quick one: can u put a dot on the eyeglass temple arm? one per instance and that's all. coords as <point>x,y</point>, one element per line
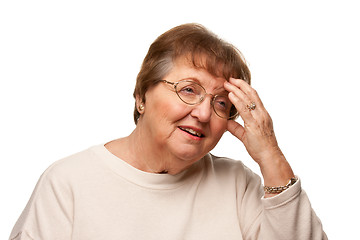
<point>167,82</point>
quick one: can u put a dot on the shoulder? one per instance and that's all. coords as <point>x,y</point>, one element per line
<point>74,165</point>
<point>67,175</point>
<point>52,201</point>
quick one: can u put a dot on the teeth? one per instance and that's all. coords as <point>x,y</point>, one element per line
<point>192,131</point>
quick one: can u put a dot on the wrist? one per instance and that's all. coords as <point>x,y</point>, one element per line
<point>279,189</point>
<point>270,156</point>
<point>276,171</point>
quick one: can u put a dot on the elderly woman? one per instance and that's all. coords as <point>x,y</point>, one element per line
<point>161,182</point>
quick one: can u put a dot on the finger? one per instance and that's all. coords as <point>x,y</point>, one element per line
<point>241,101</point>
<point>250,92</point>
<point>244,113</point>
<point>239,94</point>
<point>236,129</point>
<point>259,112</point>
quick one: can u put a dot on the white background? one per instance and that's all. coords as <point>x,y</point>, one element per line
<point>68,68</point>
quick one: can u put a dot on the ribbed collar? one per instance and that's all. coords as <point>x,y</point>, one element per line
<point>145,179</point>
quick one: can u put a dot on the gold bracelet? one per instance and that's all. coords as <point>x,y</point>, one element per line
<point>280,189</point>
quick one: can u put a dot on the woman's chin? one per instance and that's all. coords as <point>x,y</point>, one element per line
<point>188,153</point>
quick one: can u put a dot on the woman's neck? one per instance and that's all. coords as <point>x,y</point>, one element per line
<point>145,153</point>
<point>140,151</point>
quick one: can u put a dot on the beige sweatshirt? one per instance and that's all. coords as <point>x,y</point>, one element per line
<point>95,195</point>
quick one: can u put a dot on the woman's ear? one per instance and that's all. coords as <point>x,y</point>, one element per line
<point>140,106</point>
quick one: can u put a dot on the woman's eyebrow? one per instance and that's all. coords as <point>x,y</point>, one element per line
<point>193,79</point>
<point>216,91</point>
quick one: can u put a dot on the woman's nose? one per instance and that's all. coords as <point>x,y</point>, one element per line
<point>203,110</point>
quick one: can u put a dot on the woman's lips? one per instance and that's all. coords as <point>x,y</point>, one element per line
<point>192,131</point>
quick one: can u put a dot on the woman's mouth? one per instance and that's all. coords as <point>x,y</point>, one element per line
<point>192,132</point>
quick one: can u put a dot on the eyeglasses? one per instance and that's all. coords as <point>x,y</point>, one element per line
<point>193,93</point>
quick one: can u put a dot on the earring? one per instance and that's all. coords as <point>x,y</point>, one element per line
<point>141,107</point>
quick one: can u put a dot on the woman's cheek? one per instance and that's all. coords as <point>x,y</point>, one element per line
<point>218,128</point>
<point>174,111</point>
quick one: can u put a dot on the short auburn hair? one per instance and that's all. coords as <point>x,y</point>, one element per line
<point>203,48</point>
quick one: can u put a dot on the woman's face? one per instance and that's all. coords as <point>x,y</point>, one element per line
<point>185,131</point>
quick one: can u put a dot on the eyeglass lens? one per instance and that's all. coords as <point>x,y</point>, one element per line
<point>193,93</point>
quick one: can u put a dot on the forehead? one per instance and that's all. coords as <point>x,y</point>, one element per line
<point>183,68</point>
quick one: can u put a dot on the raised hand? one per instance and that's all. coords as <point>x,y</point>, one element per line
<point>257,134</point>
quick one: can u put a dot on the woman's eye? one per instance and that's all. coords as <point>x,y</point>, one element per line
<point>188,90</point>
<point>222,103</point>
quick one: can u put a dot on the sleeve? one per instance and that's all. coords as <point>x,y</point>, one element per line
<point>49,212</point>
<point>288,215</point>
